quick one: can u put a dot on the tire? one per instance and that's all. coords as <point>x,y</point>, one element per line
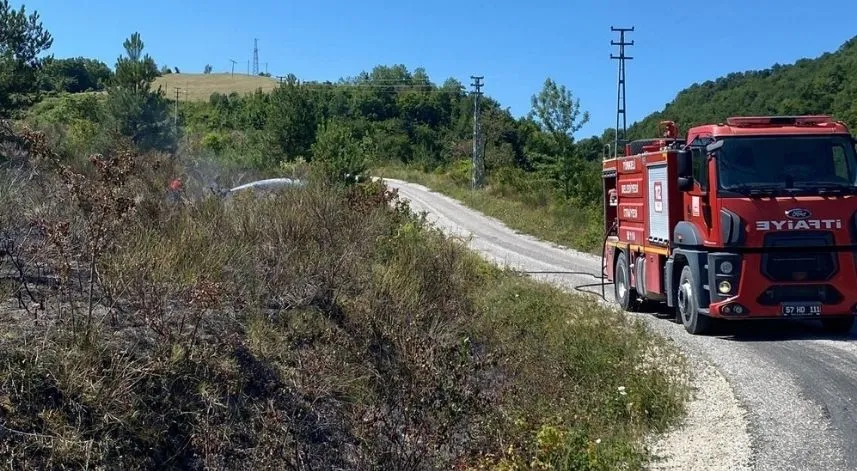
<point>624,293</point>
<point>687,308</point>
<point>838,325</point>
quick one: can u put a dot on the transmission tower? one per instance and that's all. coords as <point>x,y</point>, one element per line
<point>478,173</point>
<point>256,56</point>
<point>619,138</point>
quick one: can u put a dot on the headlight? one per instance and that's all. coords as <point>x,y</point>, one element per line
<point>726,267</point>
<point>724,287</point>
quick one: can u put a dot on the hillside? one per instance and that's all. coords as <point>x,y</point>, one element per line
<point>826,84</point>
<point>199,87</point>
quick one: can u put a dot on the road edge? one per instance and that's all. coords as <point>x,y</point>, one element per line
<point>706,438</point>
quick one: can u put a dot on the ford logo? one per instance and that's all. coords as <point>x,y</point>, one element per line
<point>798,213</point>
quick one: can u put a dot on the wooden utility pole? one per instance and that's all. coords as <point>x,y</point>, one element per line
<point>478,173</point>
<point>176,115</point>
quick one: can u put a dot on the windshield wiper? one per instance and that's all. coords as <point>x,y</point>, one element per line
<point>828,187</point>
<point>755,190</point>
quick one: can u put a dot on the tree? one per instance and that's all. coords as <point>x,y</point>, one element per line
<point>825,84</point>
<point>74,75</point>
<point>135,71</point>
<point>558,113</point>
<point>208,69</point>
<point>22,40</point>
<point>139,112</point>
<point>22,37</point>
<point>292,119</point>
<point>338,156</point>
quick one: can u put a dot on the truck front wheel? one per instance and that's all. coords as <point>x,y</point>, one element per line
<point>687,306</point>
<point>625,295</point>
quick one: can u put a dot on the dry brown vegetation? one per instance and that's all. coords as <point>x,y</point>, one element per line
<point>199,87</point>
<point>318,328</point>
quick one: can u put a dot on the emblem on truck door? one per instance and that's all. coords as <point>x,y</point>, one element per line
<point>798,213</point>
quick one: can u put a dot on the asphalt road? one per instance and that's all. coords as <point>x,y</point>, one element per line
<point>796,388</point>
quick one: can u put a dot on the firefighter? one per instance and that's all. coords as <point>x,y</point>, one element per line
<point>174,190</point>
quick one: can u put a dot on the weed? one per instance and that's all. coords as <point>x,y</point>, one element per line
<point>315,328</point>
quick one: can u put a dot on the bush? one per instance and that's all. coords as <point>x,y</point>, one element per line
<point>321,328</point>
<point>337,155</point>
<point>460,172</point>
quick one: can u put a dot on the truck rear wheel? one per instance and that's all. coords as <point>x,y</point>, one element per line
<point>687,306</point>
<point>838,325</point>
<point>625,294</point>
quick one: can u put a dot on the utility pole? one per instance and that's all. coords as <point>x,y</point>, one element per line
<point>280,77</point>
<point>256,56</point>
<point>248,66</point>
<point>176,115</point>
<point>478,162</point>
<point>619,138</point>
<point>266,68</point>
<point>233,66</point>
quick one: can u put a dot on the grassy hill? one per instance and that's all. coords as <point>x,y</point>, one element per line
<point>826,84</point>
<point>199,87</point>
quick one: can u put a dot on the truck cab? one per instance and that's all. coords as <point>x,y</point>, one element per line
<point>753,218</point>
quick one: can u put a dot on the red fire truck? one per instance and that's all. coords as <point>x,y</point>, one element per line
<point>754,218</point>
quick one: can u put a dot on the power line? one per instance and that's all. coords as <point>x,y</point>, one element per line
<point>620,91</point>
<point>478,162</point>
<point>379,88</point>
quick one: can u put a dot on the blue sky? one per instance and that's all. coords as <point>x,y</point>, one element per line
<point>514,44</point>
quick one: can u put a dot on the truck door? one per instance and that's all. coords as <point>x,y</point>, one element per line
<point>699,201</point>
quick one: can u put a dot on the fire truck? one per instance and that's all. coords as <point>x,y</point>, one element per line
<point>752,218</point>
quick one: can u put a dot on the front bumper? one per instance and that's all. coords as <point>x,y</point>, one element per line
<point>754,295</point>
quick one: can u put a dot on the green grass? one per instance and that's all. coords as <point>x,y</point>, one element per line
<point>537,213</point>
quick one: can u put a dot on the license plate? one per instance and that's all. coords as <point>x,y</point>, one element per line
<point>801,309</point>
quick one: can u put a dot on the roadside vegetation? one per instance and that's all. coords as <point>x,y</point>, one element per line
<point>321,327</point>
<point>153,326</point>
<point>521,204</point>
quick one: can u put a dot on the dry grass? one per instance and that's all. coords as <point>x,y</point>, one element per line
<point>320,328</point>
<point>199,87</point>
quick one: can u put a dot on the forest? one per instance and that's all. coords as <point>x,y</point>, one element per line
<point>390,118</point>
<point>822,85</point>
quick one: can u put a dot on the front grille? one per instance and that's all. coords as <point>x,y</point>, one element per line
<point>804,256</point>
<point>825,294</point>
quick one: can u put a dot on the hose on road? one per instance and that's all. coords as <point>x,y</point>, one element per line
<point>602,279</point>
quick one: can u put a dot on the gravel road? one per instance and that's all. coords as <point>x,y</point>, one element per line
<point>769,395</point>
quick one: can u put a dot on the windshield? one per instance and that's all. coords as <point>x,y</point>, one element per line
<point>785,164</point>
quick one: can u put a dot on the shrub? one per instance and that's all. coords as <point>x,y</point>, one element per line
<point>337,156</point>
<point>321,327</point>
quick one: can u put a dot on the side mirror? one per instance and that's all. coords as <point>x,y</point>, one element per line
<point>685,170</point>
<point>685,163</point>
